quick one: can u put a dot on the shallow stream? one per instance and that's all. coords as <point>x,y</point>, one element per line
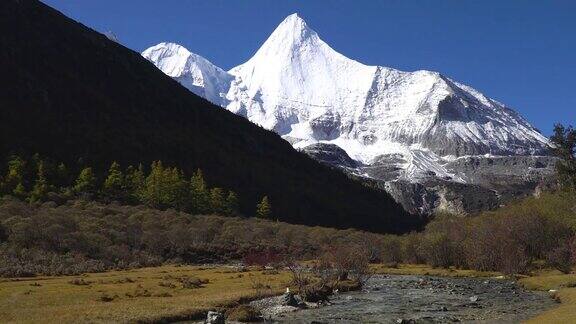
<point>424,299</point>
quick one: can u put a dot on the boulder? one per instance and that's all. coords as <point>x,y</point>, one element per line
<point>288,299</point>
<point>214,318</point>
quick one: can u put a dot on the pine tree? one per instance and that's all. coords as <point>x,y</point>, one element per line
<point>14,180</point>
<point>263,209</point>
<point>86,182</point>
<point>199,197</point>
<point>176,189</point>
<point>154,188</point>
<point>231,204</point>
<point>217,201</point>
<point>136,183</point>
<point>41,187</point>
<point>20,191</point>
<point>114,184</point>
<point>166,187</point>
<point>564,140</point>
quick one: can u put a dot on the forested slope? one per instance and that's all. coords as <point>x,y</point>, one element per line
<point>70,94</point>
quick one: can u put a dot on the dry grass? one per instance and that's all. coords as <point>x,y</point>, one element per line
<point>147,295</point>
<point>565,293</point>
<point>426,270</point>
<point>165,293</point>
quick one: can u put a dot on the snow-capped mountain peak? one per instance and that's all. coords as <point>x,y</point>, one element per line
<point>295,76</point>
<point>298,86</point>
<point>292,30</point>
<point>293,34</point>
<point>193,71</point>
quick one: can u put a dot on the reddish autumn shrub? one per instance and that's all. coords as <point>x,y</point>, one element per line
<point>265,258</point>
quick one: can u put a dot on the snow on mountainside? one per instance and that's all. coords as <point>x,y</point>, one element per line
<point>194,72</point>
<point>300,87</point>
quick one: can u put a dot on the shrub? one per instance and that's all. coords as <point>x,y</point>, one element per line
<point>85,236</point>
<point>79,282</point>
<point>512,258</point>
<point>562,258</point>
<point>191,283</point>
<point>391,250</point>
<point>337,264</point>
<point>410,248</point>
<point>438,250</point>
<point>348,262</point>
<point>262,258</point>
<point>107,298</point>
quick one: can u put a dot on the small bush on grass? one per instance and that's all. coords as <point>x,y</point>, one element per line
<point>191,283</point>
<point>79,282</point>
<point>107,298</point>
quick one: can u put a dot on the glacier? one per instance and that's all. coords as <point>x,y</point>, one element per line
<point>299,87</point>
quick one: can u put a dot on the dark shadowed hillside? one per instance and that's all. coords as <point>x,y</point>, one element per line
<point>67,92</point>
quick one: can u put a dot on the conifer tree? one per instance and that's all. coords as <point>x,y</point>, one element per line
<point>199,199</point>
<point>154,189</point>
<point>41,187</point>
<point>564,140</point>
<point>263,209</point>
<point>20,191</point>
<point>166,187</point>
<point>176,189</point>
<point>231,204</point>
<point>135,183</point>
<point>114,184</point>
<point>14,181</point>
<point>86,182</point>
<point>217,201</point>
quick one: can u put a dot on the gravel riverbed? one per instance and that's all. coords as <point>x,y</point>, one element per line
<point>420,299</point>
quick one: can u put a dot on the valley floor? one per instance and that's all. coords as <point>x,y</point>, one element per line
<point>171,293</point>
<point>166,293</point>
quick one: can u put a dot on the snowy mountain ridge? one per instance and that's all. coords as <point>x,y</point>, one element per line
<point>193,71</point>
<point>304,90</point>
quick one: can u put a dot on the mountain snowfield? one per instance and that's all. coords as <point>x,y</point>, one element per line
<point>304,90</point>
<point>194,72</point>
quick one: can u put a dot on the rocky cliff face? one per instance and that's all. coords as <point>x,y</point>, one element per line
<point>483,182</point>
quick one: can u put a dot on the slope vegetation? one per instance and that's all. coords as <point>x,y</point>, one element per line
<point>71,94</point>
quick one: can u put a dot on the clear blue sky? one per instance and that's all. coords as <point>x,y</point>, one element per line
<point>520,52</point>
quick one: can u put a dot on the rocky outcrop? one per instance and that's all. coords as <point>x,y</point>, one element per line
<point>414,197</point>
<point>330,154</point>
<point>438,195</point>
<point>479,182</point>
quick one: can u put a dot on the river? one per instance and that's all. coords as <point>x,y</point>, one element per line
<point>424,299</point>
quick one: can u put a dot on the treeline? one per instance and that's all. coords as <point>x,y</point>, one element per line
<point>39,180</point>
